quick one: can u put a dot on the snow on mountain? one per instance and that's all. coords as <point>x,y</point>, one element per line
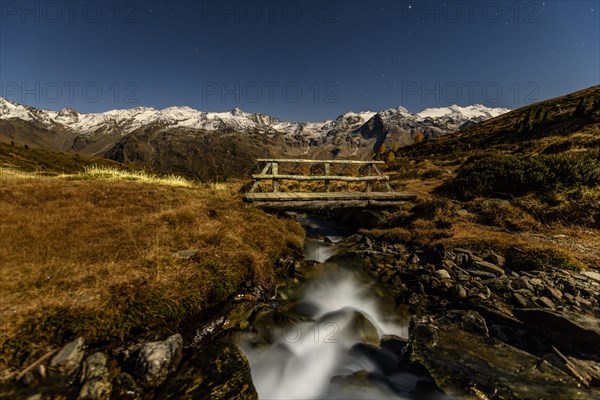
<point>474,111</point>
<point>128,120</point>
<point>10,110</point>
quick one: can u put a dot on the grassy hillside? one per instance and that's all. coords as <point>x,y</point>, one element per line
<point>94,254</point>
<point>47,162</point>
<point>527,181</point>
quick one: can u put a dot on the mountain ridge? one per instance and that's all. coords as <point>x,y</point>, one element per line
<point>185,141</point>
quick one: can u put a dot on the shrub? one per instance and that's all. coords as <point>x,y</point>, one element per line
<point>518,175</point>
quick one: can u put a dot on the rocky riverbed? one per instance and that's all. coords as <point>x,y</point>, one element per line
<point>470,328</point>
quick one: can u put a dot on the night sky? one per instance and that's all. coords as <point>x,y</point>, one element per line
<point>296,60</point>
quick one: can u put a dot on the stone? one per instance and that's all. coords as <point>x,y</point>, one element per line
<point>185,254</point>
<point>545,302</point>
<point>97,384</point>
<point>462,360</point>
<point>592,275</point>
<point>353,326</point>
<point>219,371</point>
<point>384,361</point>
<point>466,320</point>
<point>554,293</point>
<point>458,292</point>
<point>393,343</point>
<point>481,274</point>
<point>443,274</point>
<point>157,360</point>
<point>67,360</point>
<point>463,213</point>
<point>519,300</point>
<point>489,267</point>
<point>126,388</point>
<point>536,282</point>
<point>461,259</point>
<point>569,330</point>
<point>496,259</point>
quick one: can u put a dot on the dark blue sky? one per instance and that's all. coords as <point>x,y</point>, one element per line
<point>296,60</point>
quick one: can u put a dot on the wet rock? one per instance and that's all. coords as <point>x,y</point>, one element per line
<point>218,372</point>
<point>157,359</point>
<point>351,325</point>
<point>67,360</point>
<point>240,314</point>
<point>384,362</point>
<point>466,320</point>
<point>97,383</point>
<point>489,267</point>
<point>393,343</point>
<point>464,364</point>
<point>568,330</point>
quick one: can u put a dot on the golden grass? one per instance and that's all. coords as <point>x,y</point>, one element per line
<point>95,257</point>
<point>102,172</point>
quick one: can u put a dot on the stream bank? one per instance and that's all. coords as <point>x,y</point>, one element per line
<point>359,318</point>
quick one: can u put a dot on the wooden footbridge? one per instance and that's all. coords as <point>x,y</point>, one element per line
<point>288,200</point>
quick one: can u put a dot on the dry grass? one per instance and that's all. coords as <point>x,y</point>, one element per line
<point>102,172</point>
<point>94,257</point>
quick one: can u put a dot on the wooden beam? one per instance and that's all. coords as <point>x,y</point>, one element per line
<point>387,185</point>
<point>368,186</point>
<point>256,183</point>
<point>274,175</point>
<point>322,178</point>
<point>281,160</point>
<point>327,181</point>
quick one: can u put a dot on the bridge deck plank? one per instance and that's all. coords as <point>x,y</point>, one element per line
<point>328,196</point>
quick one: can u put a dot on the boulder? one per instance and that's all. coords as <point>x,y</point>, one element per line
<point>67,360</point>
<point>468,365</point>
<point>489,267</point>
<point>351,326</point>
<point>157,360</point>
<point>570,331</point>
<point>97,383</point>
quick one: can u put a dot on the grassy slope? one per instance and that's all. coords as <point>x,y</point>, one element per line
<point>94,257</point>
<point>543,158</point>
<point>48,162</point>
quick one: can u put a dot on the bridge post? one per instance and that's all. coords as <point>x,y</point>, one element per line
<point>327,181</point>
<point>275,171</point>
<point>368,184</point>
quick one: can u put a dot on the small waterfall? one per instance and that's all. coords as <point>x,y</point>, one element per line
<point>316,359</point>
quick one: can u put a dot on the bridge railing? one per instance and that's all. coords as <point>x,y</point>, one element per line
<point>271,172</point>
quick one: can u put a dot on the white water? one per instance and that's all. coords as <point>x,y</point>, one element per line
<point>304,357</point>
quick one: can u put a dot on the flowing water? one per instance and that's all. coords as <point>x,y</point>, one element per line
<point>308,359</point>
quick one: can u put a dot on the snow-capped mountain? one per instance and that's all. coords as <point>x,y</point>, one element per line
<point>187,138</point>
<point>129,120</point>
